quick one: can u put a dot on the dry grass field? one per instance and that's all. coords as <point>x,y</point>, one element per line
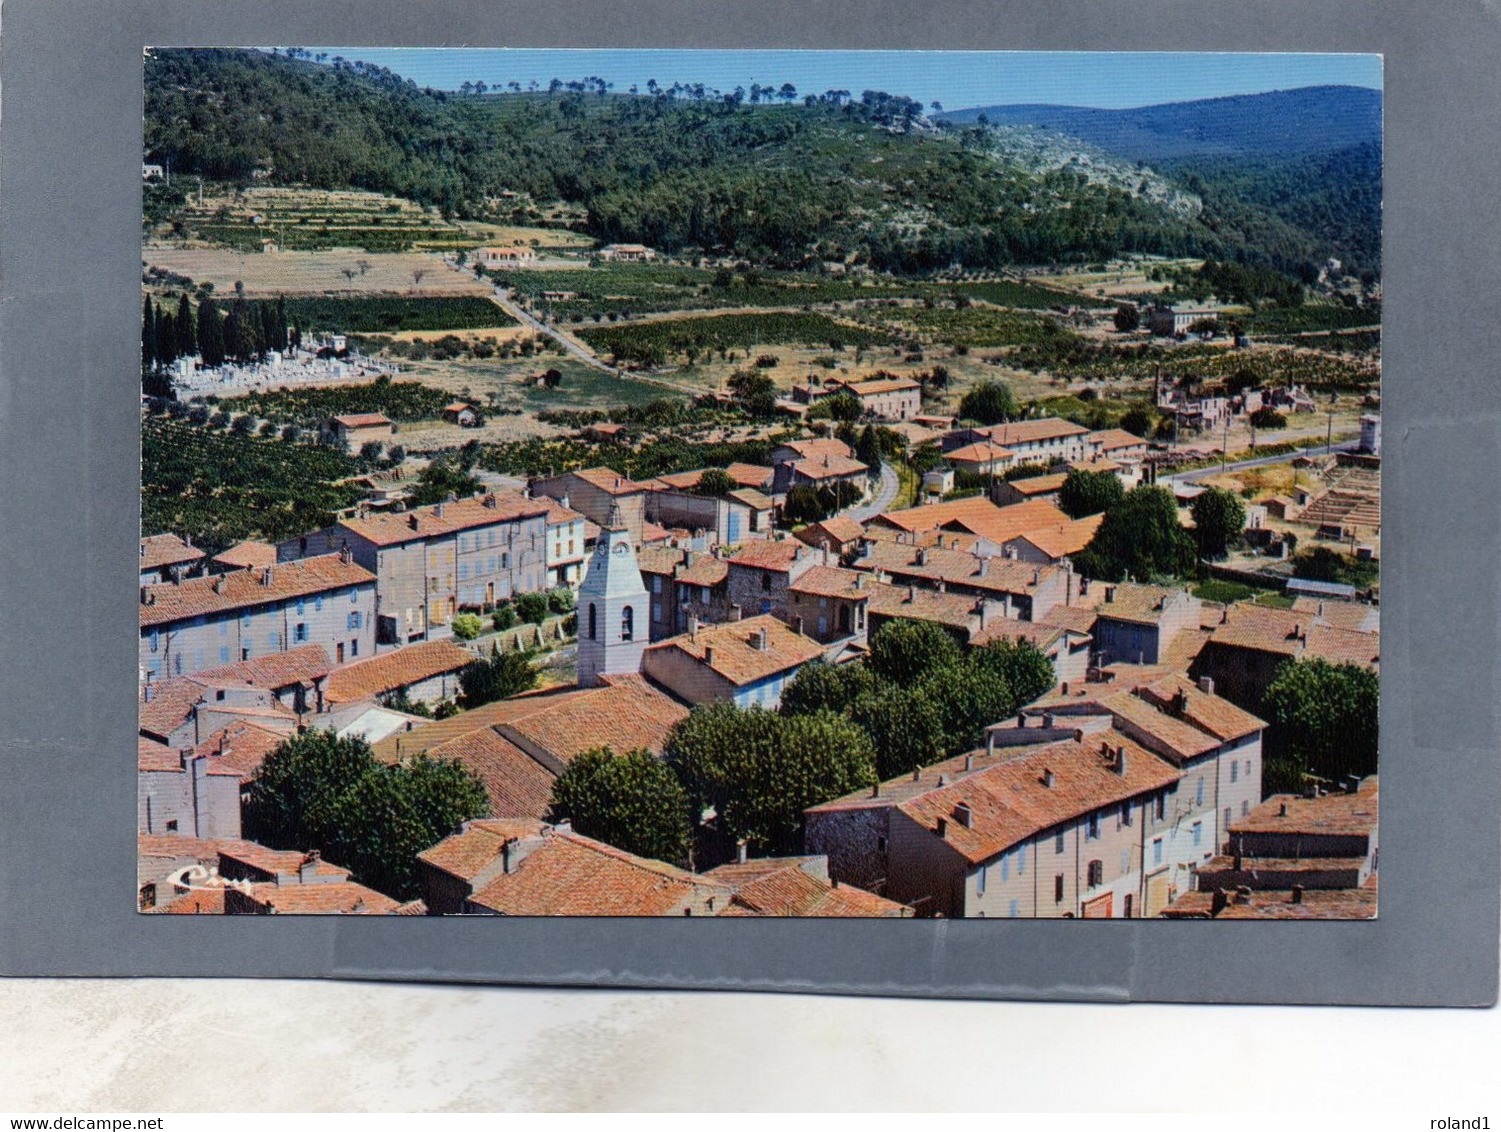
<point>267,275</point>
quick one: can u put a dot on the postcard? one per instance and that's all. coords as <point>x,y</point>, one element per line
<point>760,484</point>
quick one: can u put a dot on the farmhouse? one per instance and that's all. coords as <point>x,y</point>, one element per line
<point>1044,487</point>
<point>886,399</point>
<point>461,413</point>
<point>1032,441</point>
<point>505,257</point>
<point>1169,322</point>
<point>168,557</point>
<point>626,253</point>
<point>355,430</point>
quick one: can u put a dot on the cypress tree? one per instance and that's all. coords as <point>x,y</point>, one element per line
<point>210,334</point>
<point>186,342</point>
<point>233,334</point>
<point>148,335</point>
<point>281,323</point>
<point>166,340</point>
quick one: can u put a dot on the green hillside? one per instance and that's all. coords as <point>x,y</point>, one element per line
<point>786,181</point>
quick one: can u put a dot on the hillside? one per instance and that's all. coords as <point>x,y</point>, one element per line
<point>1284,123</point>
<point>788,183</point>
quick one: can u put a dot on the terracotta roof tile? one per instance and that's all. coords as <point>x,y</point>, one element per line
<point>840,528</point>
<point>363,420</point>
<point>167,550</point>
<point>301,665</point>
<point>1038,485</point>
<point>572,875</point>
<point>769,554</point>
<point>399,668</point>
<point>457,515</point>
<point>1028,432</point>
<point>750,475</point>
<point>984,451</point>
<point>755,500</point>
<point>1066,538</point>
<point>1135,602</point>
<point>955,567</point>
<point>834,581</point>
<point>516,784</point>
<point>818,447</point>
<point>166,602</point>
<point>1113,440</point>
<point>171,702</point>
<point>736,657</point>
<point>828,467</point>
<point>780,886</point>
<point>154,756</point>
<point>1316,904</point>
<point>241,747</point>
<point>607,480</point>
<point>1206,711</point>
<point>197,902</point>
<point>1335,814</point>
<point>879,385</point>
<point>466,854</point>
<point>343,898</point>
<point>916,603</point>
<point>978,516</point>
<point>247,555</point>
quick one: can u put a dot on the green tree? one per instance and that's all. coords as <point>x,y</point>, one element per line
<point>210,334</point>
<point>1088,493</point>
<point>631,801</point>
<point>440,479</point>
<point>868,448</point>
<point>532,608</point>
<point>1127,317</point>
<point>187,341</point>
<point>1268,418</point>
<point>1140,536</point>
<point>989,402</point>
<point>501,676</point>
<point>906,726</point>
<point>1027,670</point>
<point>1326,722</point>
<point>714,482</point>
<point>1139,421</point>
<point>902,652</point>
<point>826,687</point>
<point>148,335</point>
<point>317,791</point>
<point>467,626</point>
<point>757,771</point>
<point>1219,517</point>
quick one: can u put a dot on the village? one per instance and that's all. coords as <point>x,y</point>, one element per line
<point>1129,780</point>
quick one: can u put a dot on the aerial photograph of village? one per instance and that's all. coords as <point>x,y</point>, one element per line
<point>760,483</point>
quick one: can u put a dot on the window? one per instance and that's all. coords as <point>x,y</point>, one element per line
<point>171,827</point>
<point>1128,906</point>
<point>1125,860</point>
<point>1199,792</point>
<point>318,603</point>
<point>223,654</point>
<point>354,596</point>
<point>354,647</point>
<point>1005,867</point>
<point>1245,808</point>
<point>154,640</point>
<point>301,606</point>
<point>703,594</point>
<point>1014,908</point>
<point>1156,850</point>
<point>1126,813</point>
<point>273,641</point>
<point>492,536</point>
<point>656,611</point>
<point>627,623</point>
<point>223,628</point>
<point>1096,873</point>
<point>463,571</point>
<point>1161,807</point>
<point>980,877</point>
<point>354,620</point>
<point>1228,816</point>
<point>1234,770</point>
<point>592,633</point>
<point>1058,842</point>
<point>299,633</point>
<point>1198,833</point>
<point>177,664</point>
<point>656,583</point>
<point>1092,826</point>
<point>1058,889</point>
<point>1021,861</point>
<point>765,582</point>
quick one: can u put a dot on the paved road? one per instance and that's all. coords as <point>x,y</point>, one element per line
<point>1260,461</point>
<point>885,492</point>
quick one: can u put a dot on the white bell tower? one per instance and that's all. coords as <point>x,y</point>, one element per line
<point>614,618</point>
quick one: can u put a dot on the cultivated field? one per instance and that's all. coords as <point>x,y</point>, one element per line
<point>267,275</point>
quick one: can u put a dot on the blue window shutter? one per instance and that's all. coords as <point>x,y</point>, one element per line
<point>1021,861</point>
<point>1014,908</point>
<point>223,654</point>
<point>318,603</point>
<point>1005,867</point>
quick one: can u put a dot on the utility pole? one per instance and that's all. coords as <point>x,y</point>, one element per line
<point>1329,440</point>
<point>1225,443</point>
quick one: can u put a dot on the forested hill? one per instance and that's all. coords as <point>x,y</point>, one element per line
<point>1277,124</point>
<point>783,176</point>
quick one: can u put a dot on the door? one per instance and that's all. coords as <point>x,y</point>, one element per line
<point>1159,894</point>
<point>339,649</point>
<point>489,593</point>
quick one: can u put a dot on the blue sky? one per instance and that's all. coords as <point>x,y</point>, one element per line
<point>955,78</point>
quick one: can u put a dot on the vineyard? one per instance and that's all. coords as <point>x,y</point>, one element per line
<point>1005,293</point>
<point>1308,317</point>
<point>663,456</point>
<point>388,314</point>
<point>1263,367</point>
<point>981,326</point>
<point>310,407</point>
<point>653,343</point>
<point>219,488</point>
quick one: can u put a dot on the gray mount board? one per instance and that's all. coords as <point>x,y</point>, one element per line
<point>69,248</point>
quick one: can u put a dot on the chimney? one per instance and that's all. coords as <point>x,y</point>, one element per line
<point>969,760</point>
<point>943,827</point>
<point>346,556</point>
<point>1064,688</point>
<point>1243,894</point>
<point>308,867</point>
<point>693,624</point>
<point>1206,685</point>
<point>150,691</point>
<point>1120,761</point>
<point>758,639</point>
<point>412,520</point>
<point>875,791</point>
<point>147,597</point>
<point>917,774</point>
<point>1047,778</point>
<point>1036,576</point>
<point>911,593</point>
<point>437,510</point>
<point>266,576</point>
<point>943,780</point>
<point>1109,593</point>
<point>1078,734</point>
<point>1297,894</point>
<point>1218,901</point>
<point>491,502</point>
<point>964,815</point>
<point>922,556</point>
<point>797,626</point>
<point>742,850</point>
<point>564,500</point>
<point>143,550</point>
<point>1282,810</point>
<point>1047,720</point>
<point>984,565</point>
<point>709,656</point>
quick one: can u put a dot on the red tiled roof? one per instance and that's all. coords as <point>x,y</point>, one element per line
<point>833,581</point>
<point>457,515</point>
<point>769,554</point>
<point>840,528</point>
<point>819,446</point>
<point>1065,538</point>
<point>981,452</point>
<point>166,550</point>
<point>879,385</point>
<point>167,602</point>
<point>343,898</point>
<point>265,863</point>
<point>1213,714</point>
<point>469,852</point>
<point>151,755</point>
<point>1038,485</point>
<point>978,516</point>
<point>749,475</point>
<point>828,467</point>
<point>197,902</point>
<point>1314,904</point>
<point>248,554</point>
<point>572,875</point>
<point>606,480</point>
<point>363,420</point>
<point>517,785</point>
<point>916,603</point>
<point>241,747</point>
<point>736,658</point>
<point>1028,432</point>
<point>1329,814</point>
<point>399,668</point>
<point>780,886</point>
<point>170,703</point>
<point>1113,440</point>
<point>301,665</point>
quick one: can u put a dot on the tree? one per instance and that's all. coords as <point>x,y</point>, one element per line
<point>758,771</point>
<point>501,676</point>
<point>902,652</point>
<point>906,726</point>
<point>1140,536</point>
<point>1089,493</point>
<point>1268,418</point>
<point>1127,317</point>
<point>532,608</point>
<point>631,801</point>
<point>989,402</point>
<point>1219,517</point>
<point>826,687</point>
<point>868,448</point>
<point>148,335</point>
<point>714,482</point>
<point>317,791</point>
<point>1028,671</point>
<point>1138,421</point>
<point>187,342</point>
<point>440,479</point>
<point>467,626</point>
<point>1325,718</point>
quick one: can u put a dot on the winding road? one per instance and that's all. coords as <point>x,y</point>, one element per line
<point>1260,461</point>
<point>885,492</point>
